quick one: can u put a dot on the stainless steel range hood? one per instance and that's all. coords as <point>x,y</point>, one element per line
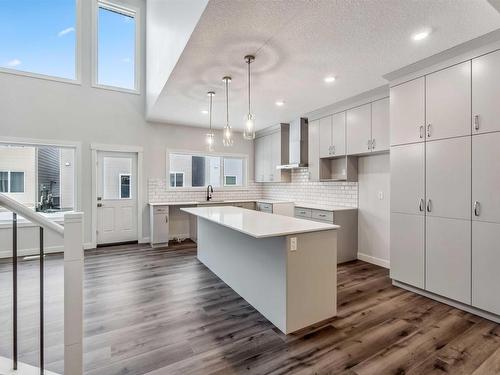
<point>297,145</point>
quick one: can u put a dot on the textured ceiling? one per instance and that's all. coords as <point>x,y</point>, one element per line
<point>297,43</point>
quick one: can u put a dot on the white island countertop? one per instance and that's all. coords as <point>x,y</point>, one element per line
<point>255,223</point>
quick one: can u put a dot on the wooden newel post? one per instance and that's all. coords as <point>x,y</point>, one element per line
<point>73,293</point>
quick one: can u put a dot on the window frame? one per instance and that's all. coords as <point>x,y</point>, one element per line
<point>9,182</point>
<point>243,187</point>
<point>120,175</point>
<point>78,54</point>
<point>175,178</point>
<point>127,10</point>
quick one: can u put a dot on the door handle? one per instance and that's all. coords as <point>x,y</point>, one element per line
<point>476,122</point>
<point>421,205</point>
<point>99,204</point>
<point>429,130</point>
<point>166,218</point>
<point>369,144</point>
<point>421,131</point>
<point>477,208</point>
<point>429,206</point>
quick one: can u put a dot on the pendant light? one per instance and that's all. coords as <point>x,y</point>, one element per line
<point>210,135</point>
<point>227,136</point>
<point>249,132</point>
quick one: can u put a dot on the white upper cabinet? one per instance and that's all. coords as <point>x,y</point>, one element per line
<point>358,124</point>
<point>338,133</point>
<point>325,137</point>
<point>380,125</point>
<point>274,173</point>
<point>486,177</point>
<point>408,179</point>
<point>313,150</point>
<point>448,178</point>
<point>485,93</point>
<point>407,112</point>
<point>259,159</point>
<point>448,98</point>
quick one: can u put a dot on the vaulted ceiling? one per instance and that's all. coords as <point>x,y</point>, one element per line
<point>298,43</point>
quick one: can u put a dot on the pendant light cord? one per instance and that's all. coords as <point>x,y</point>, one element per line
<point>211,112</point>
<point>227,103</point>
<point>249,111</point>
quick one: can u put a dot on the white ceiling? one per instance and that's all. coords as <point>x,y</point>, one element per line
<point>297,43</point>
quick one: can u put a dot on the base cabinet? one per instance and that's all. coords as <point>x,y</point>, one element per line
<point>485,266</point>
<point>407,249</point>
<point>448,258</point>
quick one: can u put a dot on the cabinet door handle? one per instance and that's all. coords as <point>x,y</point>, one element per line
<point>373,144</point>
<point>477,208</point>
<point>429,130</point>
<point>429,206</point>
<point>369,144</point>
<point>322,215</point>
<point>166,218</point>
<point>421,131</point>
<point>333,150</point>
<point>476,122</point>
<point>421,205</point>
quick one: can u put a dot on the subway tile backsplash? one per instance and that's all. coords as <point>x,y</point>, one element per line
<point>300,189</point>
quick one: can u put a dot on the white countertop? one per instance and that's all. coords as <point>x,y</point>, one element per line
<point>324,207</point>
<point>215,201</point>
<point>257,224</point>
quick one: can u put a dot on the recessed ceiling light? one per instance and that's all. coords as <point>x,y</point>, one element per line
<point>204,111</point>
<point>421,35</point>
<point>329,79</point>
<point>279,103</point>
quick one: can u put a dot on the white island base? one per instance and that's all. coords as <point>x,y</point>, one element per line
<point>293,289</point>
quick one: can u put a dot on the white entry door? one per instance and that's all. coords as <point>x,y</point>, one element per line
<point>116,197</point>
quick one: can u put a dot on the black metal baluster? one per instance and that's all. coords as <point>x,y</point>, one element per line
<point>41,302</point>
<point>14,289</point>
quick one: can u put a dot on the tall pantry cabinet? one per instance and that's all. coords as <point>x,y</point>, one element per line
<point>445,176</point>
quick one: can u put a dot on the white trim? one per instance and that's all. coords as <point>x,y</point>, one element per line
<point>95,147</point>
<point>471,309</point>
<point>374,260</point>
<point>78,56</point>
<point>127,10</point>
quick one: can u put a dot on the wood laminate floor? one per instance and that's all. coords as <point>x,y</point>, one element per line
<point>162,312</point>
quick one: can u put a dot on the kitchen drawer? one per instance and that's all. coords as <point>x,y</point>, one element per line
<point>303,212</point>
<point>322,215</point>
<point>265,207</point>
<point>161,210</point>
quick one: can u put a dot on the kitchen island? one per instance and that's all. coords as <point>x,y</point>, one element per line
<point>283,266</point>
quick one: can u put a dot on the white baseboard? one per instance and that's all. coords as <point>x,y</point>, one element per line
<point>374,260</point>
<point>144,240</point>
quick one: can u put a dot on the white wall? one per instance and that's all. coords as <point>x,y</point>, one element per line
<point>43,109</point>
<point>374,209</point>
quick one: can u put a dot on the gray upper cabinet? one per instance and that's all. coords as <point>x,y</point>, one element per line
<point>358,124</point>
<point>485,93</point>
<point>448,178</point>
<point>325,137</point>
<point>380,125</point>
<point>271,150</point>
<point>313,150</point>
<point>448,98</point>
<point>338,133</point>
<point>407,112</point>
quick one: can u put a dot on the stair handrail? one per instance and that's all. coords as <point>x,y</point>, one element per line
<point>31,215</point>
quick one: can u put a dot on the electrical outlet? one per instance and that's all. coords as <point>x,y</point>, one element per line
<point>293,244</point>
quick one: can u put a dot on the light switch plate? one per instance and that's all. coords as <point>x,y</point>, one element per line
<point>293,244</point>
<point>380,195</point>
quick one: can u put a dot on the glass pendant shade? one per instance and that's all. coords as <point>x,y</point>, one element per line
<point>249,132</point>
<point>210,137</point>
<point>227,136</point>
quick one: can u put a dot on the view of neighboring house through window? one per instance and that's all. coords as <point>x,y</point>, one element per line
<point>39,37</point>
<point>41,177</point>
<point>116,46</point>
<point>195,170</point>
<point>125,186</point>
